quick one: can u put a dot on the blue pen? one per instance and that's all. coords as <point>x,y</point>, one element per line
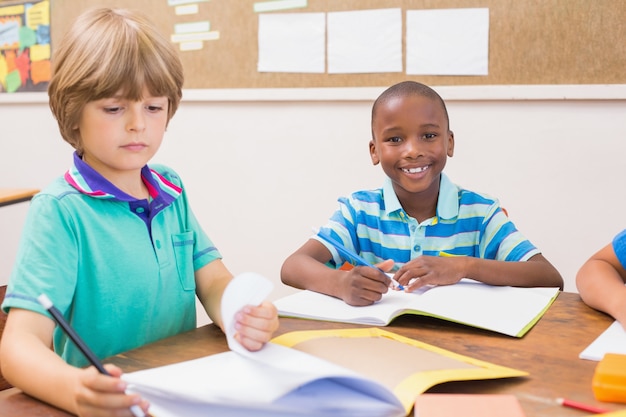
<point>350,255</point>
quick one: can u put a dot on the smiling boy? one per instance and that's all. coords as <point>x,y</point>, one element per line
<point>419,225</point>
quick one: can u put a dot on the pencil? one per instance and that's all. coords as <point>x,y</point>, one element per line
<point>580,406</point>
<point>78,341</point>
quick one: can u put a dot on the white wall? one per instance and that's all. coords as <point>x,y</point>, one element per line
<point>261,173</point>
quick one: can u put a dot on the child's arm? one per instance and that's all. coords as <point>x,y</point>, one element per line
<point>435,270</point>
<point>29,363</point>
<point>255,324</point>
<point>306,269</point>
<point>600,282</point>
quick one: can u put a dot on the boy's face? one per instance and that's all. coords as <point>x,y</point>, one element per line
<point>119,136</point>
<point>411,142</point>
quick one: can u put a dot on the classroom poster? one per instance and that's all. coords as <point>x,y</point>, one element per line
<point>24,46</point>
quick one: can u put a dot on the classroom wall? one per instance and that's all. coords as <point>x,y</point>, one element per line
<point>261,173</point>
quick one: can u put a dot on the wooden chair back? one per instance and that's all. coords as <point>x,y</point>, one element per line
<point>3,318</point>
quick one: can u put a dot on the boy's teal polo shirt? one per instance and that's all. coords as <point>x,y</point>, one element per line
<point>120,270</point>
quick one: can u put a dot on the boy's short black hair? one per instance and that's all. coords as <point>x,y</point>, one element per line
<point>408,88</point>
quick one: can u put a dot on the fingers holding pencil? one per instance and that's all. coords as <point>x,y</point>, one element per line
<point>134,408</point>
<point>99,392</point>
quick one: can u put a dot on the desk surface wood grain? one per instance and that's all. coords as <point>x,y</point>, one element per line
<point>548,352</point>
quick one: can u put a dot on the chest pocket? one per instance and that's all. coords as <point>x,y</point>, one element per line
<point>183,244</point>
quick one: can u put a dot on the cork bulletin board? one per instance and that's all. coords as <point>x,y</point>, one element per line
<point>530,41</point>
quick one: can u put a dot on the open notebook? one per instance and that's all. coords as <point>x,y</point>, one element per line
<point>509,310</point>
<point>351,372</point>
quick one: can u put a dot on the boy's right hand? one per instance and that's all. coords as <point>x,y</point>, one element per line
<point>362,285</point>
<point>99,395</point>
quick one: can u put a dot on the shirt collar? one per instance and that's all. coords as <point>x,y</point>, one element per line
<point>90,182</point>
<point>447,202</point>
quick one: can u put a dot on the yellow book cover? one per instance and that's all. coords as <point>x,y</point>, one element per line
<point>402,365</point>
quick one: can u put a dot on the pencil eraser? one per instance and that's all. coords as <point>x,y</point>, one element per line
<point>44,301</point>
<point>609,378</point>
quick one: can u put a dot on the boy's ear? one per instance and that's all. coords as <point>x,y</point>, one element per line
<point>373,154</point>
<point>450,144</point>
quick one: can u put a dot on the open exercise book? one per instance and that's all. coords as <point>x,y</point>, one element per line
<point>509,310</point>
<point>351,372</point>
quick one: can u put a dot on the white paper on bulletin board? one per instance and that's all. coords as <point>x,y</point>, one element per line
<point>447,42</point>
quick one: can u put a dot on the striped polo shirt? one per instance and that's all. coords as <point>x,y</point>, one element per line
<point>373,224</point>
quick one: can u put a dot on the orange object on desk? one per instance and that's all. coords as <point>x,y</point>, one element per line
<point>609,378</point>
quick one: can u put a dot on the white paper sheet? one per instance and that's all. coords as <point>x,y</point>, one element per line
<point>292,42</point>
<point>248,288</point>
<point>612,340</point>
<point>447,41</point>
<point>365,41</point>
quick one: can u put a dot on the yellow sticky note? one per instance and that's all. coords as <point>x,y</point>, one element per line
<point>12,10</point>
<point>39,52</point>
<point>3,71</point>
<point>38,14</point>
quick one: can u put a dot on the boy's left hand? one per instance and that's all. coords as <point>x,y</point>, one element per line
<point>255,325</point>
<point>430,270</point>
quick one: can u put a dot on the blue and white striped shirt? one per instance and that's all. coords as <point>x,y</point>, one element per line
<point>373,224</point>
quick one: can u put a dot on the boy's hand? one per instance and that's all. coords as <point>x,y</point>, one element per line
<point>255,325</point>
<point>430,270</point>
<point>363,285</point>
<point>103,395</point>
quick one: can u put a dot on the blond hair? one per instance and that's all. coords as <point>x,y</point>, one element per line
<point>106,52</point>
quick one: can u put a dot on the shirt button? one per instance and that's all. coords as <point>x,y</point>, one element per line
<point>139,210</point>
<point>417,248</point>
<point>413,227</point>
<point>158,244</point>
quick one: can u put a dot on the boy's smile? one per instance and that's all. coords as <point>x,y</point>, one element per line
<point>412,142</point>
<point>416,170</point>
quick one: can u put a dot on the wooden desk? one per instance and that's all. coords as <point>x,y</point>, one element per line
<point>16,195</point>
<point>549,352</point>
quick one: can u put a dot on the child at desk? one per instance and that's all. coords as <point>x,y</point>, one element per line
<point>113,243</point>
<point>419,224</point>
<point>600,281</point>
